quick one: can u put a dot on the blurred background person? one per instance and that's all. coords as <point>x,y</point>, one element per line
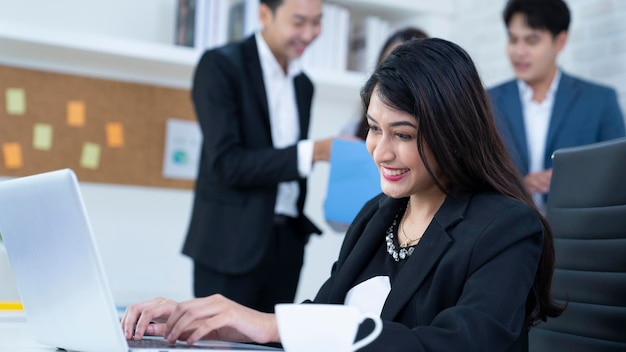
<point>247,232</point>
<point>543,108</point>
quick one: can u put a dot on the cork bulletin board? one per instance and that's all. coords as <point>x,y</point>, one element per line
<point>106,131</point>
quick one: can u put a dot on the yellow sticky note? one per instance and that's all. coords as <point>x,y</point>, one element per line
<point>76,113</point>
<point>42,136</point>
<point>90,157</point>
<point>12,153</point>
<point>15,101</point>
<point>11,305</point>
<point>115,134</point>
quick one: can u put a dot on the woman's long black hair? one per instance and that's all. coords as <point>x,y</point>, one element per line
<point>436,81</point>
<point>398,37</point>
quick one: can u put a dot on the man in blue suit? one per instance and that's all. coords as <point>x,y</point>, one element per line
<point>544,108</point>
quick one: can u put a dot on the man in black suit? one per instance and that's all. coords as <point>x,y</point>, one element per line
<point>247,231</point>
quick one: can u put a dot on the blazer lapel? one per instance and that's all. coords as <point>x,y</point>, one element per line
<point>252,64</point>
<point>362,248</point>
<point>515,115</point>
<point>566,95</point>
<point>434,243</point>
<point>303,104</point>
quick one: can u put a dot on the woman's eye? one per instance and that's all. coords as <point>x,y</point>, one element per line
<point>404,136</point>
<point>373,128</point>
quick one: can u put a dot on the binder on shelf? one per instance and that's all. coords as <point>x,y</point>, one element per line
<point>329,51</point>
<point>367,36</point>
<point>251,17</point>
<point>215,23</point>
<point>343,38</point>
<point>185,23</point>
<point>236,20</point>
<point>205,24</point>
<point>242,18</point>
<point>191,20</point>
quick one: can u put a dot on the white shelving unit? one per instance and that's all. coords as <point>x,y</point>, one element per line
<point>96,55</point>
<point>117,58</point>
<point>114,57</point>
<point>396,9</point>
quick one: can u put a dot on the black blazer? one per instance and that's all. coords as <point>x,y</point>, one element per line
<point>239,169</point>
<point>465,286</point>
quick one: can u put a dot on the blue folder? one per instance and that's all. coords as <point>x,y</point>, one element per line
<point>353,180</point>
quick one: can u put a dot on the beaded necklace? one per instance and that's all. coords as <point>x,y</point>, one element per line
<point>404,251</point>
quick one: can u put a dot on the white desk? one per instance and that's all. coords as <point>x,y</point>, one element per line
<point>15,335</point>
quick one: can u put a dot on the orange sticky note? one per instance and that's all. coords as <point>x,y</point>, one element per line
<point>76,113</point>
<point>115,135</point>
<point>12,153</point>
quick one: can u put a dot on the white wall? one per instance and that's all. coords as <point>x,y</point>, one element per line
<point>145,20</point>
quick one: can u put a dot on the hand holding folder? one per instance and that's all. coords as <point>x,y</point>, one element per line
<point>353,180</point>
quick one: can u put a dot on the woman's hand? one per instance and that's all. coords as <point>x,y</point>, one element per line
<point>218,318</point>
<point>147,317</point>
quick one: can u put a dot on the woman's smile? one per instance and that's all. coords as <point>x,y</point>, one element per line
<point>393,174</point>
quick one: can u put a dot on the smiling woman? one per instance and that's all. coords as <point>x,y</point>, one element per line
<point>454,247</point>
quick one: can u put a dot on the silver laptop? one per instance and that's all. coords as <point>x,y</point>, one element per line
<point>58,271</point>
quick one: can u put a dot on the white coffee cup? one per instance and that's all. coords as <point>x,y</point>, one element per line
<point>322,327</point>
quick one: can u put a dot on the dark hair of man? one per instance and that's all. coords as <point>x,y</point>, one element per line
<point>272,4</point>
<point>436,81</point>
<point>552,15</point>
<point>399,36</point>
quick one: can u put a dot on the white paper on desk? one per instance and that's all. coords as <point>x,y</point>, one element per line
<point>183,140</point>
<point>353,180</point>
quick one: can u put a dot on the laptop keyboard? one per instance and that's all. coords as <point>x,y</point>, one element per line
<point>160,343</point>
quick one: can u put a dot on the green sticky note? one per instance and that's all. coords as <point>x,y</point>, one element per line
<point>42,136</point>
<point>15,101</point>
<point>90,157</point>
